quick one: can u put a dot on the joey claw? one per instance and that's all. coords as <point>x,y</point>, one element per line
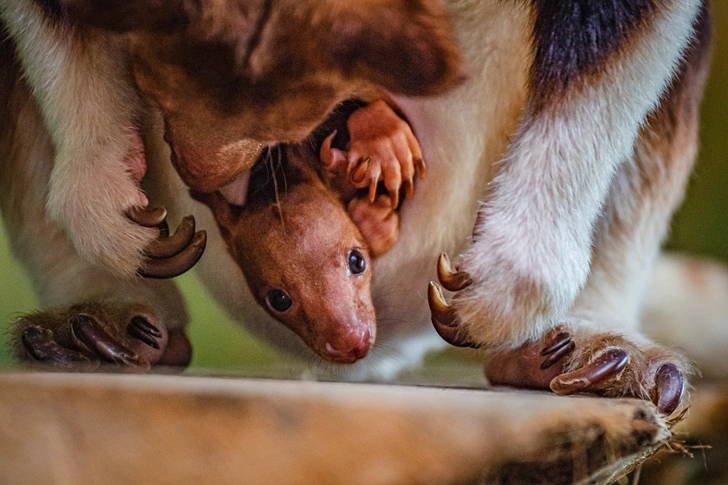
<point>373,187</point>
<point>669,388</point>
<point>169,246</point>
<point>451,281</point>
<point>393,189</point>
<point>607,365</point>
<point>332,158</point>
<point>359,175</point>
<point>178,263</point>
<point>409,188</point>
<point>147,218</point>
<point>420,167</point>
<point>40,345</point>
<point>90,332</point>
<point>446,323</point>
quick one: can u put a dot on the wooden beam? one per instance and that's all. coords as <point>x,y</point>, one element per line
<point>131,429</point>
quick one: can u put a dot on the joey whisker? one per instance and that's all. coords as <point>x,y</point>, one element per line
<point>275,183</point>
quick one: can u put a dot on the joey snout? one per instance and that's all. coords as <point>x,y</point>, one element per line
<point>345,345</point>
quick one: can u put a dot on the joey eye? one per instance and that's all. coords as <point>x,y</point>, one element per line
<point>279,300</point>
<point>357,263</point>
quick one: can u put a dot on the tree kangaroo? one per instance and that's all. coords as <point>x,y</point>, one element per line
<point>562,132</point>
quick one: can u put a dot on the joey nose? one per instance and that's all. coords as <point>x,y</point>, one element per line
<point>350,348</point>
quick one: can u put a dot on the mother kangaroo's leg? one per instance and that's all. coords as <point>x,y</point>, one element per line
<point>599,69</point>
<point>599,348</point>
<point>90,315</point>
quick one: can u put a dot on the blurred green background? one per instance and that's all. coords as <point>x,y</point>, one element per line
<point>700,227</point>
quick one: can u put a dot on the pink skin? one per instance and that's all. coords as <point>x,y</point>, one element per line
<point>382,147</point>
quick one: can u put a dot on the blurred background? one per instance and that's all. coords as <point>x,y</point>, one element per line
<point>700,227</point>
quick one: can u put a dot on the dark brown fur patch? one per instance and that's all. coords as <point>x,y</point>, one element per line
<point>53,8</point>
<point>574,39</point>
<point>126,15</point>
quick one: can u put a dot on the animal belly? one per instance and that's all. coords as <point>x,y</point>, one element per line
<point>463,135</point>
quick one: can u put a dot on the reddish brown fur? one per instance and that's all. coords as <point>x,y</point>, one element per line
<point>287,245</point>
<point>230,76</point>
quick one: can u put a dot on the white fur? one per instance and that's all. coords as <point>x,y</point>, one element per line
<point>536,234</point>
<point>59,275</point>
<point>553,181</point>
<point>83,86</point>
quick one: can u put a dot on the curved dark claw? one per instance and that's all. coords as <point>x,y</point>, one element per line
<point>444,320</point>
<point>560,340</point>
<point>89,331</point>
<point>451,281</point>
<point>556,351</point>
<point>147,218</point>
<point>669,388</point>
<point>177,264</point>
<point>607,365</point>
<point>168,247</point>
<point>39,344</point>
<point>140,328</point>
<point>163,229</point>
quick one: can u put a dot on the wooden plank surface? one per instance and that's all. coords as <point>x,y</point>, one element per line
<point>107,429</point>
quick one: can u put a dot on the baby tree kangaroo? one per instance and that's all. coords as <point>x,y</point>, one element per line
<point>305,259</point>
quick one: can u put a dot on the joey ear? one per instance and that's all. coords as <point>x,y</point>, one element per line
<point>131,15</point>
<point>408,47</point>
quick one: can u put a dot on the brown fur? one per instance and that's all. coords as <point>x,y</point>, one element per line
<point>229,77</point>
<point>281,242</point>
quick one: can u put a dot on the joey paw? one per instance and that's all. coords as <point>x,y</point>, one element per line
<point>378,222</point>
<point>382,147</point>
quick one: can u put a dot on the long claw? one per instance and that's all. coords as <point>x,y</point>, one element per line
<point>88,330</point>
<point>451,281</point>
<point>331,157</point>
<point>557,354</point>
<point>168,247</point>
<point>444,319</point>
<point>420,167</point>
<point>373,188</point>
<point>357,176</point>
<point>177,264</point>
<point>409,188</point>
<point>394,195</point>
<point>39,343</point>
<point>560,340</point>
<point>163,230</point>
<point>140,328</point>
<point>607,365</point>
<point>669,388</point>
<point>147,218</point>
